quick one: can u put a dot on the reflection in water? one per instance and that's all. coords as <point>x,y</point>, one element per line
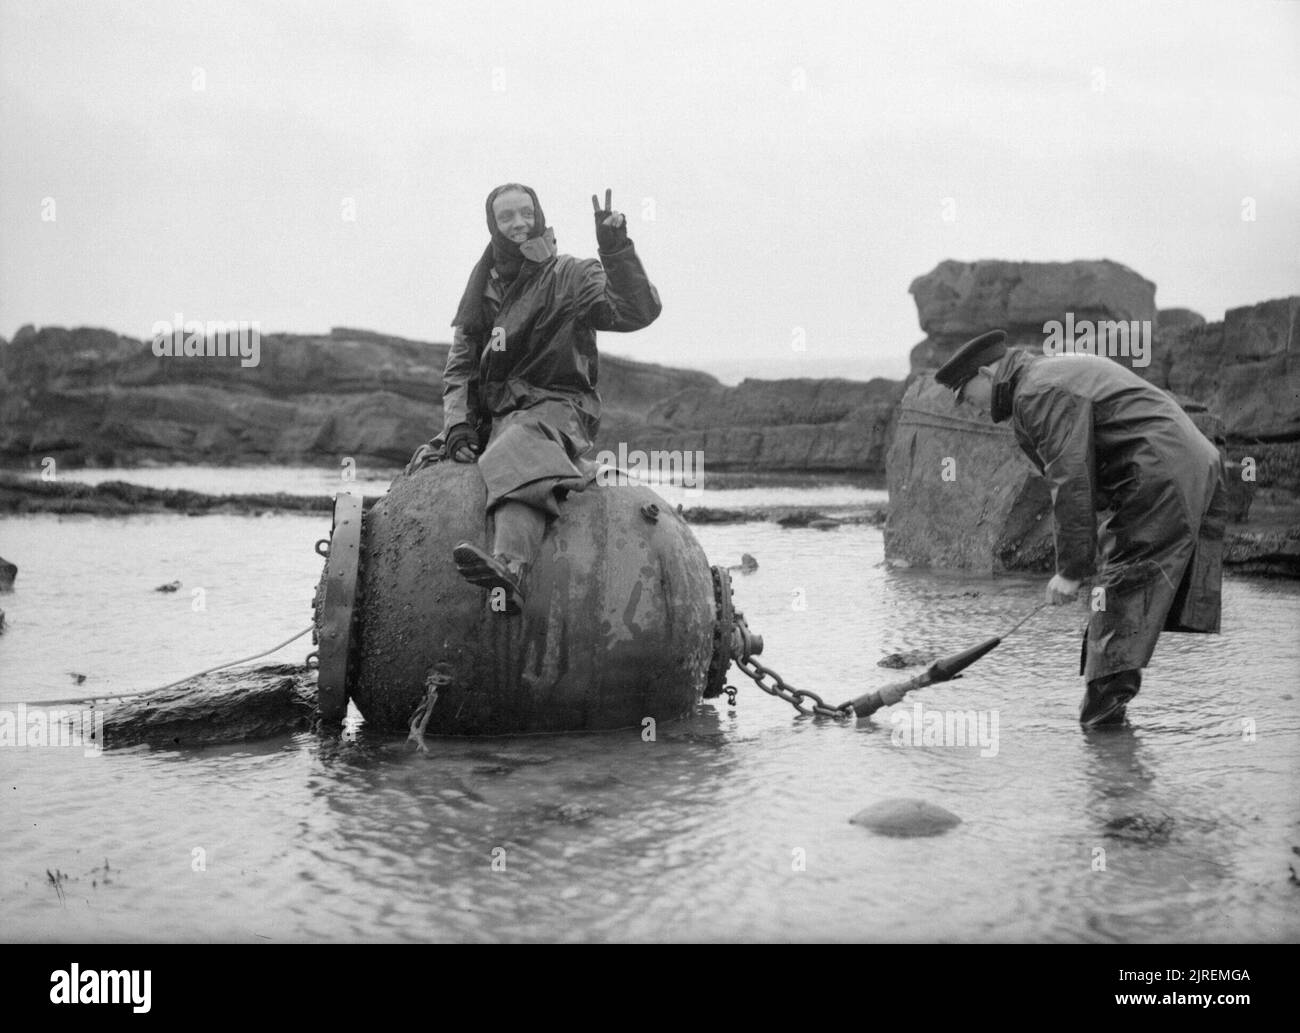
<point>1116,771</point>
<point>536,837</point>
<point>1168,848</point>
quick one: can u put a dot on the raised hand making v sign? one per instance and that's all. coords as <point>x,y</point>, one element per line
<point>611,226</point>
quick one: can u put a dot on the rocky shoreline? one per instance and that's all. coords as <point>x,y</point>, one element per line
<point>21,495</point>
<point>88,397</point>
<point>1270,550</point>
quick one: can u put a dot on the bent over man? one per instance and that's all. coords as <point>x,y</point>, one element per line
<point>521,373</point>
<point>1110,443</point>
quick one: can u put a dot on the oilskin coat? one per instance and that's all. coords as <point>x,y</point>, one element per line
<point>1109,443</point>
<point>532,375</point>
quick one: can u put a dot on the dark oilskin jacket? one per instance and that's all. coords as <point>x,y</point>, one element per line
<point>1110,444</point>
<point>543,341</point>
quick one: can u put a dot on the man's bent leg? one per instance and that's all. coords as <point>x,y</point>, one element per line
<point>1106,698</point>
<point>519,532</point>
<point>516,540</point>
<point>534,454</point>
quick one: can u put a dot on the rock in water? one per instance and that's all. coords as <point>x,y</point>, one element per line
<point>1148,829</point>
<point>747,564</point>
<point>572,813</point>
<point>905,817</point>
<point>908,659</point>
<point>8,571</point>
<point>221,707</point>
<point>801,518</point>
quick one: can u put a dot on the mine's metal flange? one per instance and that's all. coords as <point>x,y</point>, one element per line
<point>342,561</point>
<point>723,623</point>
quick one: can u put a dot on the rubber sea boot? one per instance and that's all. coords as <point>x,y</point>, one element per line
<point>1106,699</point>
<point>491,573</point>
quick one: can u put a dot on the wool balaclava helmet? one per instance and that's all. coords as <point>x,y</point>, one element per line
<point>505,255</point>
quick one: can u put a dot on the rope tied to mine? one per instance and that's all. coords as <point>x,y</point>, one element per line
<point>439,677</point>
<point>92,698</point>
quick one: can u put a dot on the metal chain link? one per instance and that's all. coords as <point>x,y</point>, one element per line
<point>795,697</point>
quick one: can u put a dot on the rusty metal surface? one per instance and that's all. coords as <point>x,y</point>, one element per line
<point>617,625</point>
<point>338,598</point>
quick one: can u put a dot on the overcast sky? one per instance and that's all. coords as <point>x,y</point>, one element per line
<point>783,165</point>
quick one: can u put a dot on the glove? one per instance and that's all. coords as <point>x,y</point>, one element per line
<point>1061,590</point>
<point>611,226</point>
<point>462,443</point>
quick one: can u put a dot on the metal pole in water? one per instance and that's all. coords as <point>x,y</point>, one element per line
<point>939,671</point>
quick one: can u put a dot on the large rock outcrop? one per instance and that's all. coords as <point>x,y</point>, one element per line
<point>805,425</point>
<point>956,301</point>
<point>92,397</point>
<point>1247,368</point>
<point>961,494</point>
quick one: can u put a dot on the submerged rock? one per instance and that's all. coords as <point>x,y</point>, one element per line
<point>240,705</point>
<point>572,813</point>
<point>905,817</point>
<point>1270,553</point>
<point>909,659</point>
<point>803,518</point>
<point>510,760</point>
<point>1148,829</point>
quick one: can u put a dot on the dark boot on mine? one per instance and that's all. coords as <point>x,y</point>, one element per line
<point>501,578</point>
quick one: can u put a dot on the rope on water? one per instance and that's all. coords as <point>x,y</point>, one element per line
<point>420,719</point>
<point>122,695</point>
<point>912,416</point>
<point>1022,620</point>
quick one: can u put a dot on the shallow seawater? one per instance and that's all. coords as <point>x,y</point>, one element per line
<point>733,825</point>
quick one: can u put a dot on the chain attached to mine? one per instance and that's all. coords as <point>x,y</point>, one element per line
<point>782,689</point>
<point>733,642</point>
